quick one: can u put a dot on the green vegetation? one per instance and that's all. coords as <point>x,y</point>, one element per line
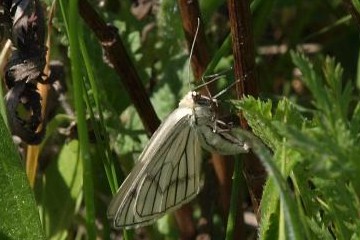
<point>305,123</point>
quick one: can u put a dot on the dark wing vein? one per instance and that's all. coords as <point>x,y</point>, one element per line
<point>169,185</point>
<point>149,180</point>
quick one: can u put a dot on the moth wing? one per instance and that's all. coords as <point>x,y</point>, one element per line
<point>166,176</point>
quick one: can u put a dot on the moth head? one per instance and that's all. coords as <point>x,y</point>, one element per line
<point>188,100</point>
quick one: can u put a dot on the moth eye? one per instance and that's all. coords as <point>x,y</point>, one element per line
<point>194,94</point>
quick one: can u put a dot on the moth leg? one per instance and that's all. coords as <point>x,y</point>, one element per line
<point>221,126</point>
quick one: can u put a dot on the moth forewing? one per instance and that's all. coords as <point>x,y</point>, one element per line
<point>136,203</point>
<point>178,180</point>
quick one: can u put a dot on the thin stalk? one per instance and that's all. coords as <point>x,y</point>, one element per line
<point>4,55</point>
<point>234,200</point>
<point>103,146</point>
<point>75,56</point>
<point>244,72</point>
<point>282,227</point>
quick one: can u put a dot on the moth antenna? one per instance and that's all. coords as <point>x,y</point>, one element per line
<point>222,73</point>
<point>191,54</point>
<point>229,87</point>
<point>214,78</point>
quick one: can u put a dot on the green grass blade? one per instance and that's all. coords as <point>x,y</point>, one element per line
<point>99,129</point>
<point>76,67</point>
<point>356,4</point>
<point>292,219</point>
<point>234,201</point>
<point>357,77</point>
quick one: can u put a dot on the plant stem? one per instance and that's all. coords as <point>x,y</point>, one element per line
<point>75,54</point>
<point>234,201</point>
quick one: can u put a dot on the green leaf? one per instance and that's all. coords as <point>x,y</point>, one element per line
<point>313,81</point>
<point>294,226</point>
<point>329,95</point>
<point>259,115</point>
<point>62,190</point>
<point>339,97</point>
<point>356,4</point>
<point>355,121</point>
<point>19,215</point>
<point>287,113</point>
<point>269,211</point>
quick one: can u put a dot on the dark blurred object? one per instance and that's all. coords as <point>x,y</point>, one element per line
<point>5,24</point>
<point>110,5</point>
<point>25,68</point>
<point>142,8</point>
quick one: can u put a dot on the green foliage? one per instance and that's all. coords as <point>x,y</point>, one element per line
<point>311,153</point>
<point>61,192</point>
<point>317,153</point>
<point>19,215</point>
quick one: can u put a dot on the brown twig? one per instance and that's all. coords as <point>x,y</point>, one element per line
<point>120,60</point>
<point>190,13</point>
<point>244,69</point>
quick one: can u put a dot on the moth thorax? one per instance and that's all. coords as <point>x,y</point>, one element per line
<point>188,100</point>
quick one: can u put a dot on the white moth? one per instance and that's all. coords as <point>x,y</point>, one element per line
<point>168,173</point>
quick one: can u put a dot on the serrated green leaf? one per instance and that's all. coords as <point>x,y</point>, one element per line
<point>339,98</point>
<point>329,95</point>
<point>259,115</point>
<point>313,80</point>
<point>286,113</point>
<point>319,232</point>
<point>355,122</point>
